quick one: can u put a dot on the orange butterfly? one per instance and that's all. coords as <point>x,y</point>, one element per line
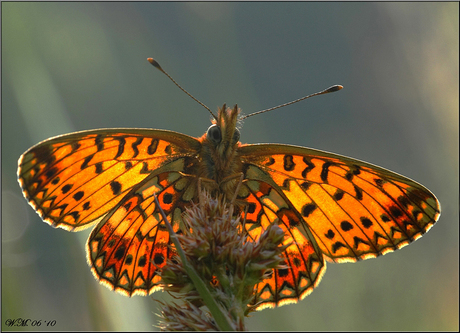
<point>330,207</point>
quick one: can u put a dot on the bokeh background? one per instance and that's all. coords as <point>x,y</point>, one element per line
<point>79,66</point>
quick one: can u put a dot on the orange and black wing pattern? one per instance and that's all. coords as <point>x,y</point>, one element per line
<point>109,177</point>
<point>331,207</point>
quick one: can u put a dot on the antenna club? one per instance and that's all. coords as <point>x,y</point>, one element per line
<point>155,64</point>
<point>337,87</point>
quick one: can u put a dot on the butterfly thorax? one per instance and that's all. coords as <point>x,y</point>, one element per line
<point>219,159</point>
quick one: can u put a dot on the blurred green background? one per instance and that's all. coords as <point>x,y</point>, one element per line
<point>79,66</point>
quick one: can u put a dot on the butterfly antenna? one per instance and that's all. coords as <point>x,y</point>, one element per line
<point>157,66</point>
<point>326,91</point>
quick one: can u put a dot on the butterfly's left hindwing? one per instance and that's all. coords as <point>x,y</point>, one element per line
<point>131,244</point>
<point>353,209</point>
<point>74,180</point>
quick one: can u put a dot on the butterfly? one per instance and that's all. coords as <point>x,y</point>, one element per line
<point>330,207</point>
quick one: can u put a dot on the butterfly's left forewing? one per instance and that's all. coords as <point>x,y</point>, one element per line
<point>74,180</point>
<point>353,209</point>
<point>110,176</point>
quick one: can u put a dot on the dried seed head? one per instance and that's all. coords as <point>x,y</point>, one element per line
<point>186,317</point>
<point>229,262</point>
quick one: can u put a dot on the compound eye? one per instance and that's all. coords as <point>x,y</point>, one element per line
<point>236,136</point>
<point>214,135</point>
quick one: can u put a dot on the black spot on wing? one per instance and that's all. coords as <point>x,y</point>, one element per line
<point>395,211</point>
<point>367,223</point>
<point>288,162</point>
<point>325,171</point>
<point>75,145</point>
<point>310,166</point>
<point>330,234</point>
<point>152,148</point>
<point>86,205</point>
<point>77,196</point>
<point>167,198</point>
<point>134,146</point>
<point>385,218</point>
<point>158,259</point>
<point>358,240</point>
<point>86,161</point>
<point>282,272</point>
<point>142,261</point>
<point>145,168</point>
<point>251,208</point>
<point>51,172</point>
<point>308,209</point>
<point>121,146</point>
<point>99,141</point>
<point>119,254</point>
<point>75,215</point>
<point>338,195</point>
<point>99,168</point>
<point>116,187</point>
<point>296,262</point>
<point>66,188</point>
<point>359,192</point>
<point>404,201</point>
<point>346,226</point>
<point>271,161</point>
<point>336,246</point>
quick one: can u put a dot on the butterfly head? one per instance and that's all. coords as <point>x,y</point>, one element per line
<point>223,134</point>
<point>220,147</point>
